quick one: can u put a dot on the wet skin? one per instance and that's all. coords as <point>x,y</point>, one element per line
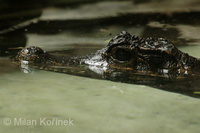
<point>150,61</point>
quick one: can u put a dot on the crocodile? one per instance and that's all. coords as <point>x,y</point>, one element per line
<point>155,62</point>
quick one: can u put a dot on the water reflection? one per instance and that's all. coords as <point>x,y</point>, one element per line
<point>14,12</point>
<point>10,42</point>
<point>14,15</point>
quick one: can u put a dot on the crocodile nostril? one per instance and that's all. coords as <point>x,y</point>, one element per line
<point>31,53</point>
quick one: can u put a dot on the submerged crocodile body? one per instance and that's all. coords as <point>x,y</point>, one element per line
<point>150,61</point>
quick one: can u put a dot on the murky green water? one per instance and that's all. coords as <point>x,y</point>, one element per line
<point>91,105</point>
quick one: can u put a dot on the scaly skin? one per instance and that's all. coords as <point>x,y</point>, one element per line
<point>151,61</point>
<point>152,53</point>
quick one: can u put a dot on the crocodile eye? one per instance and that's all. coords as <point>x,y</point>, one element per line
<point>121,54</point>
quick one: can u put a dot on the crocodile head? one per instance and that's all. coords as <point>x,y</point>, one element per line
<point>123,53</point>
<point>126,58</point>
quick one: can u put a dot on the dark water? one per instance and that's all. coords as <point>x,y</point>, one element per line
<point>94,105</point>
